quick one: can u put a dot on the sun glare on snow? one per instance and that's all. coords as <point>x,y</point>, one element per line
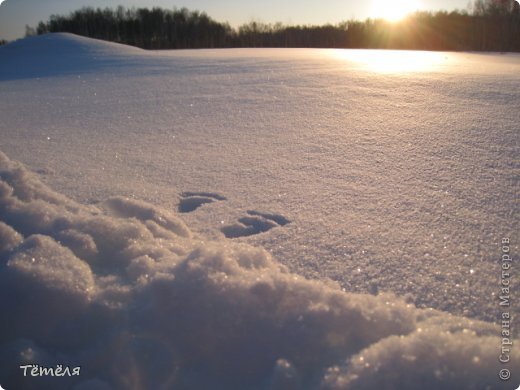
<point>393,10</point>
<point>393,61</point>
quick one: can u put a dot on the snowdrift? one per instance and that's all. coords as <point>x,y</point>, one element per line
<point>125,291</point>
<point>60,54</point>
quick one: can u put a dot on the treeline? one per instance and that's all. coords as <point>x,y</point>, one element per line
<point>492,25</point>
<point>149,29</point>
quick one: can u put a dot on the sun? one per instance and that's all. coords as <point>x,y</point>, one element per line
<point>393,10</point>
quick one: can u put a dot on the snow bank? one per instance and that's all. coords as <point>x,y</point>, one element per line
<point>124,290</point>
<point>59,54</point>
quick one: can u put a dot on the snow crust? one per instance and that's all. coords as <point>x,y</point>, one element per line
<point>126,291</point>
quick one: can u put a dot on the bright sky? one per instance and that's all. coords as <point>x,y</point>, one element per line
<point>15,14</point>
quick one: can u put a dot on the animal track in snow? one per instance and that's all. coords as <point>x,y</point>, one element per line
<point>193,200</point>
<point>255,223</point>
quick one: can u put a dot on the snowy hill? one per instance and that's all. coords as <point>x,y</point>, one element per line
<point>57,54</point>
<point>255,219</point>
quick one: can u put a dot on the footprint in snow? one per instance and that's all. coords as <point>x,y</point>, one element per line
<point>254,223</point>
<point>190,201</point>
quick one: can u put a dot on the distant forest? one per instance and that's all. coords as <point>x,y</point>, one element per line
<point>491,25</point>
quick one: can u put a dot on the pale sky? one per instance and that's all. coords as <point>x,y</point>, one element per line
<point>15,14</point>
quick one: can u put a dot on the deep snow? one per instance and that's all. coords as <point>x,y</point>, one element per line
<point>397,180</point>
